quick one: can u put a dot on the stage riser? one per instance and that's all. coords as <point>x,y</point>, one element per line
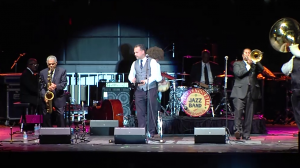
<point>185,125</point>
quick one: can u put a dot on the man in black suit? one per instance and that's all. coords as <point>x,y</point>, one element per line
<point>29,89</point>
<point>205,72</point>
<point>245,93</point>
<point>58,83</point>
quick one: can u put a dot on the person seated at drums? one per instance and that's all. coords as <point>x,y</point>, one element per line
<point>205,72</point>
<point>157,54</point>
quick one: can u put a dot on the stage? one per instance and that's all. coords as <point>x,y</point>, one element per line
<point>178,149</point>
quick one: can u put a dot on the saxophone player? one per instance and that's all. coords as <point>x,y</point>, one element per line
<point>54,80</point>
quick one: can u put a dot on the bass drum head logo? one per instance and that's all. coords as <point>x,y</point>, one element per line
<point>196,102</point>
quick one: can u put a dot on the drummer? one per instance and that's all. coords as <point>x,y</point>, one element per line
<point>205,71</point>
<point>157,54</point>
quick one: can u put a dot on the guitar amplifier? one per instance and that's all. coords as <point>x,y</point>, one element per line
<point>120,93</point>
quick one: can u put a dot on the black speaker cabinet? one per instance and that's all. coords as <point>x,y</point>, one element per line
<point>61,135</point>
<point>127,135</point>
<point>210,135</point>
<point>103,127</point>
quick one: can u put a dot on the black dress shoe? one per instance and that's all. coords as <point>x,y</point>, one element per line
<point>247,138</point>
<point>237,135</point>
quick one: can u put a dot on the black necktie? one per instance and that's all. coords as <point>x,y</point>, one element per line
<point>206,75</point>
<point>141,64</point>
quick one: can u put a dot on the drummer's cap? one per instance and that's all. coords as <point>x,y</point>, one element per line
<point>205,51</point>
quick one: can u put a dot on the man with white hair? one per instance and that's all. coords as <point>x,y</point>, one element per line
<point>58,83</point>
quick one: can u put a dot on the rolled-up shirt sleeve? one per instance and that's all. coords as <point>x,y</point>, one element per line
<point>155,71</point>
<point>132,73</point>
<point>288,67</point>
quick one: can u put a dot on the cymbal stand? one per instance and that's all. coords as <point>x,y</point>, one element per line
<point>84,132</point>
<point>173,101</point>
<point>224,102</point>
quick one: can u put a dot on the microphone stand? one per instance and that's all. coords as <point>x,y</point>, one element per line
<point>148,96</point>
<point>38,107</point>
<point>225,90</point>
<point>16,62</point>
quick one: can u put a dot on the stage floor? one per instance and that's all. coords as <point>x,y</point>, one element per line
<point>278,139</point>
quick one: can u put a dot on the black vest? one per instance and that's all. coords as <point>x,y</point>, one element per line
<point>295,75</point>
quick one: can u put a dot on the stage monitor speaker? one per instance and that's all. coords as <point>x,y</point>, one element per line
<point>103,127</point>
<point>210,135</point>
<point>129,135</point>
<point>61,135</point>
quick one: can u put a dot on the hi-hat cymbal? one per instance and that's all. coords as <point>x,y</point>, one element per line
<point>182,74</point>
<point>223,76</point>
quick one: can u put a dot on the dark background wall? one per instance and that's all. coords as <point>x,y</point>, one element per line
<point>86,30</point>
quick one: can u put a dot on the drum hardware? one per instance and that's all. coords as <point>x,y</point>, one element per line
<point>222,103</point>
<point>78,136</point>
<point>200,84</point>
<point>223,75</point>
<point>183,74</point>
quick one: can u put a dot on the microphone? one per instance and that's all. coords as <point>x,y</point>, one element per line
<point>173,50</point>
<point>226,58</point>
<point>147,55</point>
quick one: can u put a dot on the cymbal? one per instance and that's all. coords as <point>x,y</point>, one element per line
<point>223,75</point>
<point>182,74</point>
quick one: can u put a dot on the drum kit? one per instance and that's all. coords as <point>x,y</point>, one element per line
<point>194,100</point>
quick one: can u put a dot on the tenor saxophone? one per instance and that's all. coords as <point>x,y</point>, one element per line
<point>49,95</point>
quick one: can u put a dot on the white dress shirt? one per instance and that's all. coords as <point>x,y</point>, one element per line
<point>155,70</point>
<point>30,70</point>
<point>210,77</point>
<point>247,65</point>
<point>288,67</point>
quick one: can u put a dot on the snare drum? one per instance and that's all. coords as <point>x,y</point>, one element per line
<point>178,91</point>
<point>196,102</point>
<point>213,89</point>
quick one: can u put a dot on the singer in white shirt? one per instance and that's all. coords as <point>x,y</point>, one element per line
<point>145,73</point>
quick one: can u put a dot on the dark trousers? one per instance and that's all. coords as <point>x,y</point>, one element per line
<point>240,105</point>
<point>295,99</point>
<point>141,98</point>
<point>59,116</point>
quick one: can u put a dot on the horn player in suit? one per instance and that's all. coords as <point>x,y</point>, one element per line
<point>245,93</point>
<point>58,83</point>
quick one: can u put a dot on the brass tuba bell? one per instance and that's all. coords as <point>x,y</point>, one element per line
<point>256,55</point>
<point>284,33</point>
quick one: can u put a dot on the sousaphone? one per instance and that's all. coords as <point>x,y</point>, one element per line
<point>284,36</point>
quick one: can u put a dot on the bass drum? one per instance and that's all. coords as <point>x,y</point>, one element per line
<point>196,102</point>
